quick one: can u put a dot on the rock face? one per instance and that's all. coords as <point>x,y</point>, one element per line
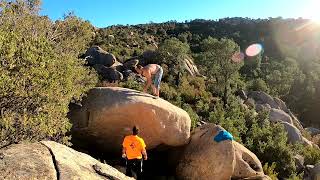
<point>263,98</point>
<point>191,67</point>
<point>278,112</point>
<point>130,64</point>
<point>312,172</point>
<point>205,159</point>
<point>96,55</point>
<point>294,135</point>
<point>108,73</point>
<point>50,160</point>
<point>108,114</point>
<point>313,131</point>
<point>26,161</point>
<point>277,115</point>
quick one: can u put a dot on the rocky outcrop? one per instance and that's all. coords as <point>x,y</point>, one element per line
<point>130,64</point>
<point>96,55</point>
<point>108,114</point>
<point>263,98</point>
<point>312,172</point>
<point>26,161</point>
<point>205,159</point>
<point>278,112</point>
<point>293,133</point>
<point>50,160</point>
<point>277,115</point>
<point>313,131</point>
<point>109,73</point>
<point>191,67</point>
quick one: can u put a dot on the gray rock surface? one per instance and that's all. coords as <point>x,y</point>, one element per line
<point>50,160</point>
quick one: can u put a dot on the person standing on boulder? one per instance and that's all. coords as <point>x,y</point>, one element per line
<point>153,73</point>
<point>133,149</point>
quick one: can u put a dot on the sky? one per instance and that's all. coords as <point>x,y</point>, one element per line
<point>103,13</point>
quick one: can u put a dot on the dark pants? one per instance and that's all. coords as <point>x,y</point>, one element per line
<point>134,165</point>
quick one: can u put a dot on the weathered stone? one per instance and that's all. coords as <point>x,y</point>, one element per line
<point>130,64</point>
<point>293,133</point>
<point>108,73</point>
<point>190,66</point>
<point>277,115</point>
<point>96,55</point>
<point>205,159</point>
<point>26,161</point>
<point>108,114</point>
<point>75,165</point>
<point>313,131</point>
<point>263,98</point>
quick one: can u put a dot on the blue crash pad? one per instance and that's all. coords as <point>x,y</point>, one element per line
<point>222,136</point>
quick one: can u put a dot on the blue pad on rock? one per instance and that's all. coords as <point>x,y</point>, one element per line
<point>222,136</point>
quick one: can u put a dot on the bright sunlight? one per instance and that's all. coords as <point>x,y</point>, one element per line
<point>312,10</point>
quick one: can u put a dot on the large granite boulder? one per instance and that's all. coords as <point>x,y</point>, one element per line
<point>277,115</point>
<point>96,55</point>
<point>263,98</point>
<point>26,161</point>
<point>130,64</point>
<point>108,114</point>
<point>293,133</point>
<point>205,159</point>
<point>108,73</point>
<point>50,160</point>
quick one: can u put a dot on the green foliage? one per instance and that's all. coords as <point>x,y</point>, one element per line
<point>193,116</point>
<point>280,76</point>
<point>232,118</point>
<point>216,61</point>
<point>311,155</point>
<point>173,52</point>
<point>258,85</point>
<point>269,143</point>
<point>131,84</point>
<point>270,171</point>
<point>296,176</point>
<point>39,78</point>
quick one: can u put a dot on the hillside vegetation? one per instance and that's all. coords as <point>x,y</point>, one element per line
<point>41,74</point>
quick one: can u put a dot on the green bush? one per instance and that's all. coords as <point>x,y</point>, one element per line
<point>193,116</point>
<point>258,85</point>
<point>269,143</point>
<point>39,77</point>
<point>131,84</point>
<point>270,171</point>
<point>311,155</point>
<point>232,118</point>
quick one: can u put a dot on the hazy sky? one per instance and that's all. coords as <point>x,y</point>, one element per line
<point>102,13</point>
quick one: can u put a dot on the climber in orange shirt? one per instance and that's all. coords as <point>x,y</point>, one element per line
<point>134,149</point>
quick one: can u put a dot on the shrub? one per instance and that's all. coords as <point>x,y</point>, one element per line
<point>269,143</point>
<point>193,116</point>
<point>311,155</point>
<point>38,77</point>
<point>270,171</point>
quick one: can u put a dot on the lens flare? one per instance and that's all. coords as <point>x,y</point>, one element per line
<point>254,50</point>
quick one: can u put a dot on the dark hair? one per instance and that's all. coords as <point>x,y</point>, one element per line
<point>135,130</point>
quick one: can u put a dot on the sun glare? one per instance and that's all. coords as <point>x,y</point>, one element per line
<point>312,10</point>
